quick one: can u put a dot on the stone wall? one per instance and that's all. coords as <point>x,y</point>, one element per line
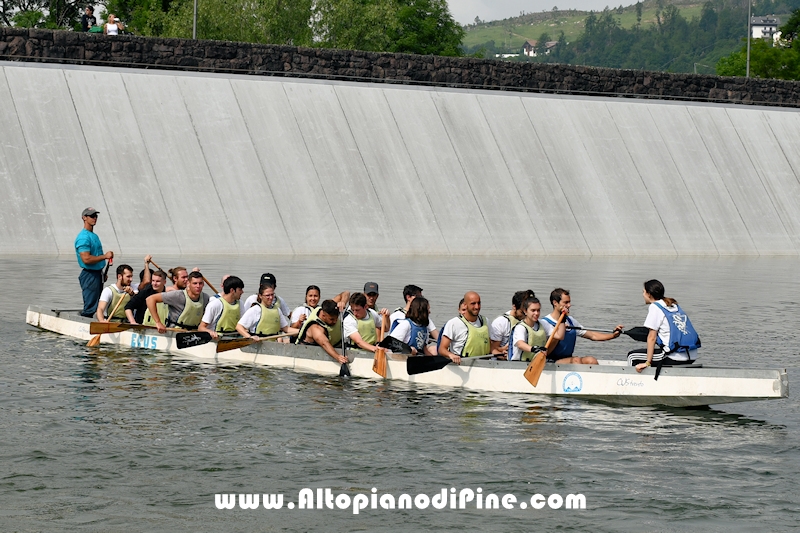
<point>230,57</point>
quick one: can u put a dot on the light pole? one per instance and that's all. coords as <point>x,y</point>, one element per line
<point>749,33</point>
<point>194,27</point>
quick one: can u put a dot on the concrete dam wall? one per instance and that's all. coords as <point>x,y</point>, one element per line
<point>210,163</point>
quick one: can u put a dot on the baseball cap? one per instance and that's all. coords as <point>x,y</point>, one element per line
<point>89,211</point>
<point>371,287</point>
<point>268,279</point>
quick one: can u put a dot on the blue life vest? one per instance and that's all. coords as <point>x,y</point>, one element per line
<point>566,346</point>
<point>682,335</point>
<point>418,336</point>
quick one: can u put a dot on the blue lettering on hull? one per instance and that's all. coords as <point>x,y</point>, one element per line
<point>144,341</point>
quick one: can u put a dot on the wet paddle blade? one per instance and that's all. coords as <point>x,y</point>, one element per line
<point>379,362</point>
<point>639,333</point>
<point>535,368</point>
<point>192,338</point>
<point>94,341</point>
<point>425,363</point>
<point>233,344</point>
<point>344,371</point>
<point>395,345</point>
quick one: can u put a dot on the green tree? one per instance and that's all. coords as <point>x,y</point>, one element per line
<point>766,61</point>
<point>425,27</point>
<point>541,43</point>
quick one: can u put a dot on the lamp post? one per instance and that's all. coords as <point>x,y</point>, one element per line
<point>194,26</point>
<point>749,34</point>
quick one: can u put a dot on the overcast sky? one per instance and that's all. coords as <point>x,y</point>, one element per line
<point>465,11</point>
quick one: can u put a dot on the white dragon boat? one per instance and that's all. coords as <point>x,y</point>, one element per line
<point>610,381</point>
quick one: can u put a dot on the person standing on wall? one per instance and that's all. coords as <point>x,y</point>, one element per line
<point>91,259</point>
<point>88,19</point>
<point>113,25</point>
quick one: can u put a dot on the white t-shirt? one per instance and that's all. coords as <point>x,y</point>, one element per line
<point>212,313</point>
<point>402,331</point>
<point>253,299</point>
<point>521,334</point>
<point>657,320</point>
<point>500,329</point>
<point>398,315</point>
<point>299,311</point>
<point>107,297</point>
<point>350,324</point>
<point>457,332</point>
<point>252,317</point>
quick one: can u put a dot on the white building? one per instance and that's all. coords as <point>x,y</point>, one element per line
<point>764,27</point>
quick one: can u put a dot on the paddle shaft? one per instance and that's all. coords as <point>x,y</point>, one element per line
<point>232,344</point>
<point>105,272</point>
<point>210,286</point>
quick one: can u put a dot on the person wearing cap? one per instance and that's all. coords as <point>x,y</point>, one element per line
<point>92,260</point>
<point>269,280</point>
<point>371,292</point>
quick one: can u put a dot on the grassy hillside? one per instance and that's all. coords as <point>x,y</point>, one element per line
<point>510,34</point>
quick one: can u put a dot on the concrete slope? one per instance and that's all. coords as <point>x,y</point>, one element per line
<point>219,164</point>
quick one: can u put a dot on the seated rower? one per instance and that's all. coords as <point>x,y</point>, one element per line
<point>528,337</point>
<point>111,295</point>
<point>179,277</point>
<point>361,324</point>
<point>136,309</point>
<point>268,279</point>
<point>302,312</point>
<point>398,315</point>
<point>672,339</point>
<point>569,330</point>
<point>318,331</point>
<point>467,335</point>
<point>264,318</point>
<point>222,314</point>
<point>500,330</point>
<point>461,308</point>
<point>186,307</point>
<point>411,330</point>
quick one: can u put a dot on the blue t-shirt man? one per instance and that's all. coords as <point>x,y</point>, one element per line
<point>92,260</point>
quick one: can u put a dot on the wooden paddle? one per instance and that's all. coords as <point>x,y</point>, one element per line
<point>233,344</point>
<point>210,286</point>
<point>97,328</point>
<point>536,366</point>
<point>94,341</point>
<point>379,361</point>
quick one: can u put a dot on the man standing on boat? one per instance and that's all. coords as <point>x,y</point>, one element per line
<point>186,307</point>
<point>92,260</point>
<point>466,335</point>
<point>111,296</point>
<point>569,331</point>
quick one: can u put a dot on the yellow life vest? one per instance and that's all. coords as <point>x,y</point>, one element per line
<point>270,321</point>
<point>477,339</point>
<point>116,296</point>
<point>163,314</point>
<point>366,328</point>
<point>192,313</point>
<point>229,318</point>
<point>536,337</point>
<point>334,332</point>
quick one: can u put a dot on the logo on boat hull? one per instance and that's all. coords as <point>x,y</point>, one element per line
<point>572,382</point>
<point>143,341</point>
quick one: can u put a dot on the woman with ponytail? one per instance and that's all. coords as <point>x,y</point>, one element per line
<point>672,339</point>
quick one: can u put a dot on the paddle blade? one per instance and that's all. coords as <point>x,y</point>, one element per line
<point>379,362</point>
<point>639,333</point>
<point>96,328</point>
<point>192,338</point>
<point>233,344</point>
<point>395,345</point>
<point>344,371</point>
<point>425,363</point>
<point>94,341</point>
<point>535,368</point>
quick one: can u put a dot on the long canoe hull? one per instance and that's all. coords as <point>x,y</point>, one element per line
<point>610,381</point>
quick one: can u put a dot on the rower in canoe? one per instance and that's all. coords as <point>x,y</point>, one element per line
<point>186,307</point>
<point>466,335</point>
<point>361,324</point>
<point>319,330</point>
<point>500,329</point>
<point>264,318</point>
<point>528,336</point>
<point>111,296</point>
<point>222,314</point>
<point>566,336</point>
